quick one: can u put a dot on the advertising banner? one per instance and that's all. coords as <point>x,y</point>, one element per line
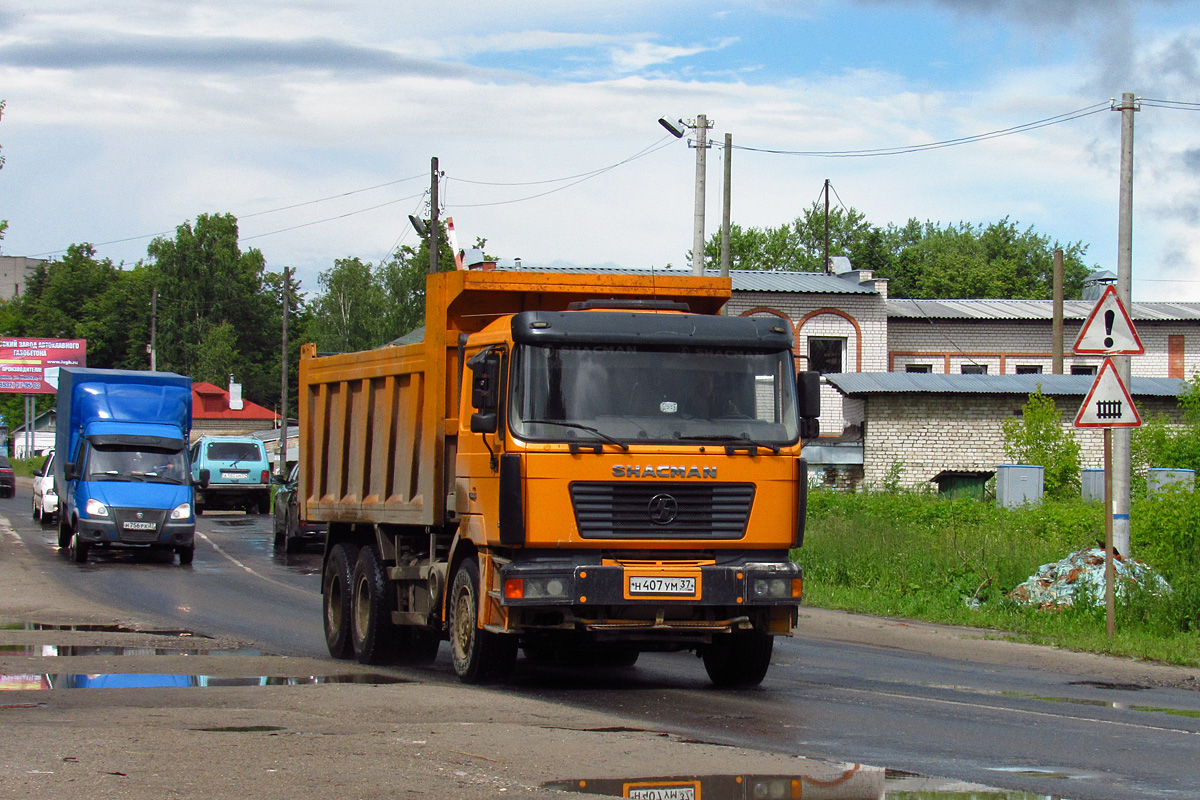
<point>30,365</point>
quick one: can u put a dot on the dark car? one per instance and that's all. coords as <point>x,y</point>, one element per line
<point>292,533</point>
<point>8,482</point>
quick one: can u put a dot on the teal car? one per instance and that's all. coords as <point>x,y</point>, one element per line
<point>239,474</point>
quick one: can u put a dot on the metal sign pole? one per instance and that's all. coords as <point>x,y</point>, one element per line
<point>1110,603</point>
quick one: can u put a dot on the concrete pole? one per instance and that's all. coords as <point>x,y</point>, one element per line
<point>283,377</point>
<point>1058,313</point>
<point>1122,460</point>
<point>433,215</point>
<point>725,209</point>
<point>701,169</point>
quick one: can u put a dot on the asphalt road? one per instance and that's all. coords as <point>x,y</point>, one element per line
<point>1046,732</point>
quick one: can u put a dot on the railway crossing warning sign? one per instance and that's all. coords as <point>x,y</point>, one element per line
<point>1108,404</point>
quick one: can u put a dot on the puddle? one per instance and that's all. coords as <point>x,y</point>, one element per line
<point>38,626</point>
<point>824,781</point>
<point>48,650</point>
<point>148,681</point>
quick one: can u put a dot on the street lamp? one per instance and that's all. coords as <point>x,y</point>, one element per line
<point>700,126</point>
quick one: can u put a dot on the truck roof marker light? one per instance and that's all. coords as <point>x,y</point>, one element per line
<point>539,325</point>
<point>514,588</point>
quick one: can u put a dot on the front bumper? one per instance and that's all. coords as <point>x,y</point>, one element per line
<point>745,585</point>
<point>105,532</point>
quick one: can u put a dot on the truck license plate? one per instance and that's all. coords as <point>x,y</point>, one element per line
<point>662,585</point>
<point>686,791</point>
<point>139,526</point>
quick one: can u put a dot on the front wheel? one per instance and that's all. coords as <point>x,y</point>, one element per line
<point>337,590</point>
<point>479,656</point>
<point>186,554</point>
<point>79,549</point>
<point>738,659</point>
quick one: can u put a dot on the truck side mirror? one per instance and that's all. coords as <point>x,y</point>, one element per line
<point>69,470</point>
<point>808,396</point>
<point>204,476</point>
<point>485,381</point>
<point>484,422</point>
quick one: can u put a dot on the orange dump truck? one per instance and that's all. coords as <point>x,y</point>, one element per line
<point>580,466</point>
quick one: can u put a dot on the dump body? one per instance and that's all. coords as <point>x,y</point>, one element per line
<point>121,461</point>
<point>569,463</point>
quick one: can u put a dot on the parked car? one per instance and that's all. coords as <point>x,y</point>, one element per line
<point>8,482</point>
<point>45,495</point>
<point>239,474</point>
<point>292,533</point>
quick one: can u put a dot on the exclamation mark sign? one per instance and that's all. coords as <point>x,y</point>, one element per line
<point>1110,317</point>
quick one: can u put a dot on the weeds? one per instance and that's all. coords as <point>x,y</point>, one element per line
<point>913,554</point>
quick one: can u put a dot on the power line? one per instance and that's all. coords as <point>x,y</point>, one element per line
<point>1178,105</point>
<point>917,148</point>
<point>330,197</point>
<point>666,142</point>
<point>330,219</point>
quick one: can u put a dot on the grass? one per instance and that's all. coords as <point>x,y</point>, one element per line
<point>912,554</point>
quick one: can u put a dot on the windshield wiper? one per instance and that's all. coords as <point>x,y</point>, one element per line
<point>731,442</point>
<point>587,428</point>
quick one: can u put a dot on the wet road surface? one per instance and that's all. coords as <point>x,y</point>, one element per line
<point>1048,734</point>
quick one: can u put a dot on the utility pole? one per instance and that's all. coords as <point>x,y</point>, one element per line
<point>1122,459</point>
<point>701,128</point>
<point>433,215</point>
<point>153,329</point>
<point>725,208</point>
<point>1057,328</point>
<point>283,375</point>
<point>825,263</point>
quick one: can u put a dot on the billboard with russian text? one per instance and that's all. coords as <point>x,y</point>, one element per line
<point>30,365</point>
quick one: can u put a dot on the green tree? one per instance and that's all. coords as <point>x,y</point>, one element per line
<point>204,280</point>
<point>1039,438</point>
<point>218,349</point>
<point>796,246</point>
<point>1160,444</point>
<point>350,311</point>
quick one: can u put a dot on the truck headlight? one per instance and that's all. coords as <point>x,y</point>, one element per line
<point>182,511</point>
<point>95,508</point>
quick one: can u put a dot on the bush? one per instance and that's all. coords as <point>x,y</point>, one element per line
<point>911,553</point>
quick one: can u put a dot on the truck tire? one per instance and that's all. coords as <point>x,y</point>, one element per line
<point>64,535</point>
<point>186,555</point>
<point>374,634</point>
<point>738,659</point>
<point>479,656</point>
<point>336,592</point>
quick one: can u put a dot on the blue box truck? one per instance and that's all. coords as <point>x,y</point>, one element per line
<point>122,465</point>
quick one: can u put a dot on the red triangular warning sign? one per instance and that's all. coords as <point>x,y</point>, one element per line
<point>1109,330</point>
<point>1108,404</point>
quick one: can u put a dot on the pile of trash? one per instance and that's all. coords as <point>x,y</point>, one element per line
<point>1080,576</point>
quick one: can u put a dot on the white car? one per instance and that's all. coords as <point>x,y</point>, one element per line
<point>45,498</point>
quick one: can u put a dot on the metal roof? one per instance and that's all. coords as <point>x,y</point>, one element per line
<point>860,383</point>
<point>744,280</point>
<point>1031,309</point>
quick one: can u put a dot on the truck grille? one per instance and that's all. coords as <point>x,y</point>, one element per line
<point>130,515</point>
<point>662,510</point>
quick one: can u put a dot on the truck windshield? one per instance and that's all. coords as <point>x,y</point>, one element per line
<point>656,395</point>
<point>121,463</point>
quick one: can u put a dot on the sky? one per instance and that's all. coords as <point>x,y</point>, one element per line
<point>315,123</point>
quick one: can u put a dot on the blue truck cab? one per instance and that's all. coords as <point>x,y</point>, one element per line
<point>122,464</point>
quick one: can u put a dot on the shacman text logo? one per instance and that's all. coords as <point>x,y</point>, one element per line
<point>634,471</point>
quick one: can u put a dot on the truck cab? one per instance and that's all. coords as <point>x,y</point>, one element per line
<point>122,463</point>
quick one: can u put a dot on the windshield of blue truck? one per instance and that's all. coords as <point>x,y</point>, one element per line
<point>122,463</point>
<point>643,395</point>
